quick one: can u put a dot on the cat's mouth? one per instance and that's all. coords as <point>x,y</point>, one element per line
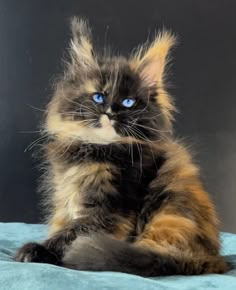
<point>106,122</point>
<point>106,131</point>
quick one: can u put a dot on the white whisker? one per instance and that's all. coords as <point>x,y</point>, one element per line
<point>34,143</point>
<point>150,128</point>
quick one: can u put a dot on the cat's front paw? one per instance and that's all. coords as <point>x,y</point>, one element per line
<point>33,252</point>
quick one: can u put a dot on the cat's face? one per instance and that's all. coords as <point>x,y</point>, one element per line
<point>111,99</point>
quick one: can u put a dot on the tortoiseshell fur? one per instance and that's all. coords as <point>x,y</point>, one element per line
<point>123,194</point>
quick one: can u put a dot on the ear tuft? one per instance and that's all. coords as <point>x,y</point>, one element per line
<point>80,29</point>
<point>81,47</point>
<point>150,60</point>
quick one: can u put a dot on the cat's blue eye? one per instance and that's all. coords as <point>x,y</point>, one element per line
<point>98,98</point>
<point>128,103</point>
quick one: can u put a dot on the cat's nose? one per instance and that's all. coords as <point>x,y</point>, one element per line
<point>110,115</point>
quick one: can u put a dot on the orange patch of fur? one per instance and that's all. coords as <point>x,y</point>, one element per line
<point>123,228</point>
<point>168,232</point>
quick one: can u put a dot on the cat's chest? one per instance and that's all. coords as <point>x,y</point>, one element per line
<point>114,177</point>
<point>126,166</point>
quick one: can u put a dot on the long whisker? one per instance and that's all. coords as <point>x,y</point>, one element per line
<point>88,108</point>
<point>34,143</point>
<point>140,134</point>
<point>147,113</point>
<point>76,103</point>
<point>150,128</point>
<point>131,147</point>
<point>58,148</point>
<point>139,150</point>
<point>137,112</point>
<point>89,111</point>
<point>94,124</point>
<point>74,114</point>
<point>149,142</point>
<point>67,149</point>
<point>30,132</point>
<point>38,109</point>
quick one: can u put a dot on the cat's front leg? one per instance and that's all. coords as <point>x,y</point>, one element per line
<point>50,251</point>
<point>37,253</point>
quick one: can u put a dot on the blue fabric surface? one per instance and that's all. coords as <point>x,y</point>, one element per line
<point>23,276</point>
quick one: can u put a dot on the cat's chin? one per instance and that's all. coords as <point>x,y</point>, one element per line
<point>104,135</point>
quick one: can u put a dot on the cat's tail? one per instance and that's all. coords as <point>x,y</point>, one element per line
<point>102,253</point>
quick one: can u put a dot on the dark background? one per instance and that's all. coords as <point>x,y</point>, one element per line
<point>33,38</point>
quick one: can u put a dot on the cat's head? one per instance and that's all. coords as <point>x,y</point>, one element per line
<point>104,99</point>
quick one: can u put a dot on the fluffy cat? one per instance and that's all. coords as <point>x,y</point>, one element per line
<point>122,194</point>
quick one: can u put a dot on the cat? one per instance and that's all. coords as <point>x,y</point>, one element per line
<point>122,194</point>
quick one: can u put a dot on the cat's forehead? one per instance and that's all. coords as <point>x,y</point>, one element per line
<point>117,77</point>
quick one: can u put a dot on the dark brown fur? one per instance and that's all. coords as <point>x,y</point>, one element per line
<point>124,195</point>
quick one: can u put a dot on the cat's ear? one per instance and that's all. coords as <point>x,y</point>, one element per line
<point>150,60</point>
<point>81,48</point>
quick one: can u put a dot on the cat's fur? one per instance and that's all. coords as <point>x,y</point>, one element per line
<point>123,194</point>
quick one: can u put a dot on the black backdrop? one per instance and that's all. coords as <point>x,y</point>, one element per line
<point>33,37</point>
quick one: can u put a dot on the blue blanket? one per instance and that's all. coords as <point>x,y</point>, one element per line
<point>23,276</point>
